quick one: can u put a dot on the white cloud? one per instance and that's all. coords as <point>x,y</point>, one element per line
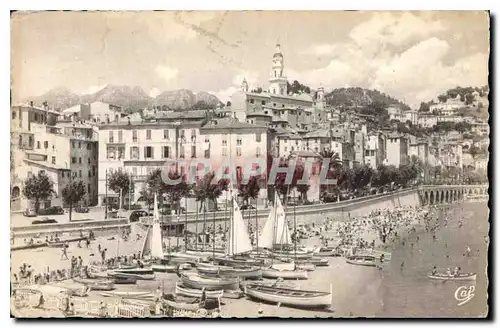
<point>225,94</point>
<point>320,49</point>
<point>154,92</point>
<point>167,73</point>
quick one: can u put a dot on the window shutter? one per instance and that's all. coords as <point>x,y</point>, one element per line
<point>145,152</point>
<point>152,152</point>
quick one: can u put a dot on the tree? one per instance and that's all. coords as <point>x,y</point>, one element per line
<point>424,107</point>
<point>302,188</point>
<point>249,190</point>
<point>228,104</point>
<point>72,193</point>
<point>469,99</point>
<point>176,191</point>
<point>442,98</point>
<point>38,187</point>
<point>119,181</point>
<point>148,196</point>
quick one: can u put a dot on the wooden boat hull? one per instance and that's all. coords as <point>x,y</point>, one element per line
<point>184,291</point>
<point>291,254</point>
<point>285,274</point>
<point>198,282</point>
<point>137,271</point>
<point>183,306</point>
<point>115,274</point>
<point>291,297</point>
<point>238,262</point>
<point>125,281</point>
<point>131,295</point>
<point>327,254</point>
<point>443,277</point>
<point>164,268</point>
<point>247,273</point>
<point>96,284</point>
<point>306,266</point>
<point>362,260</point>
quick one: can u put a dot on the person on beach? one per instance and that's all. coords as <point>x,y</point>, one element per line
<point>64,253</point>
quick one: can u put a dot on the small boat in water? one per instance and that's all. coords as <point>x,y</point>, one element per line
<point>364,260</point>
<point>184,291</point>
<point>96,284</point>
<point>292,297</point>
<point>194,280</point>
<point>128,294</point>
<point>459,277</point>
<point>115,274</point>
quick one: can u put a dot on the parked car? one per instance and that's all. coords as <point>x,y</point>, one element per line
<point>29,213</point>
<point>43,220</point>
<point>53,210</point>
<point>81,209</point>
<point>136,215</point>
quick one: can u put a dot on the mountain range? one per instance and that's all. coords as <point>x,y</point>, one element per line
<point>131,99</point>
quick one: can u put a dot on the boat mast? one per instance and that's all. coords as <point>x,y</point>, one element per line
<point>294,229</point>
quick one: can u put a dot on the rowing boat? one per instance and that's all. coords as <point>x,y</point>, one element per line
<point>326,251</point>
<point>314,261</point>
<point>238,262</point>
<point>96,284</point>
<point>285,274</point>
<point>292,297</point>
<point>363,260</point>
<point>194,280</point>
<point>247,273</point>
<point>125,281</point>
<point>184,291</point>
<point>460,277</point>
<point>135,270</point>
<point>115,274</point>
<point>128,294</point>
<point>164,267</point>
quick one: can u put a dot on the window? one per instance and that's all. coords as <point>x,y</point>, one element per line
<point>224,142</point>
<point>90,173</point>
<point>274,104</point>
<point>73,160</point>
<point>263,102</point>
<point>88,160</point>
<point>238,141</point>
<point>181,151</point>
<point>258,137</point>
<point>285,149</point>
<point>120,136</point>
<point>293,148</point>
<point>79,160</point>
<point>53,159</point>
<point>13,115</point>
<point>148,134</point>
<point>38,145</point>
<point>257,152</point>
<point>93,170</point>
<point>111,137</point>
<point>251,101</point>
<point>182,133</point>
<point>89,146</point>
<point>79,173</point>
<point>134,170</point>
<point>166,152</point>
<point>134,152</point>
<point>36,117</point>
<point>165,134</point>
<point>207,153</point>
<point>193,133</point>
<point>224,151</point>
<point>134,136</point>
<point>88,188</point>
<point>45,144</point>
<point>148,151</point>
<point>207,140</point>
<point>193,151</point>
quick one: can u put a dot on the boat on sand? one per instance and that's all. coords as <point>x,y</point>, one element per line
<point>363,260</point>
<point>115,274</point>
<point>291,297</point>
<point>184,291</point>
<point>96,284</point>
<point>128,294</point>
<point>195,281</point>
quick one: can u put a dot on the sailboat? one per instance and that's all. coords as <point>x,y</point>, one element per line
<point>238,243</point>
<point>153,244</point>
<point>276,233</point>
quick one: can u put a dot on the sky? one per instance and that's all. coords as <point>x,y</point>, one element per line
<point>412,56</point>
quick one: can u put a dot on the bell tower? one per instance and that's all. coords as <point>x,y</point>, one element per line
<point>277,80</point>
<point>244,85</point>
<point>320,98</point>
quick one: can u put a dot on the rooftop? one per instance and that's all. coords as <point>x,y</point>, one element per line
<point>230,123</point>
<point>318,134</point>
<point>46,164</point>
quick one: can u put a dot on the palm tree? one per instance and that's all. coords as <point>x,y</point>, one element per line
<point>334,167</point>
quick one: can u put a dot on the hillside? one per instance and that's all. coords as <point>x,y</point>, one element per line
<point>131,99</point>
<point>346,98</point>
<point>474,101</point>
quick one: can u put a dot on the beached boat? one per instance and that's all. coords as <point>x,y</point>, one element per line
<point>460,277</point>
<point>125,281</point>
<point>164,267</point>
<point>96,284</point>
<point>184,291</point>
<point>306,266</point>
<point>247,273</point>
<point>327,251</point>
<point>292,297</point>
<point>313,261</point>
<point>364,260</point>
<point>285,274</point>
<point>128,294</point>
<point>238,262</point>
<point>301,255</point>
<point>136,271</point>
<point>115,274</point>
<point>194,280</point>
